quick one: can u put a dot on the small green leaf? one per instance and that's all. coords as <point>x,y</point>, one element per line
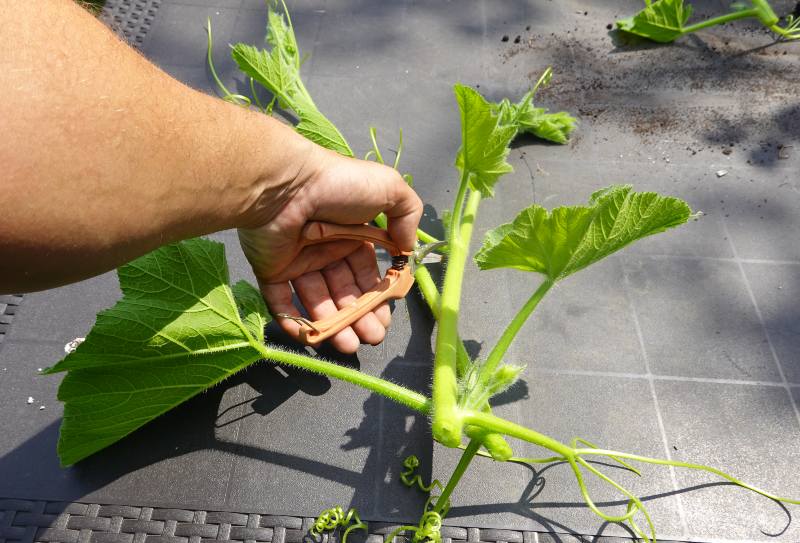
<point>316,127</point>
<point>661,20</point>
<point>525,117</point>
<point>568,239</point>
<point>281,36</point>
<point>484,141</point>
<point>555,127</point>
<point>176,331</point>
<point>279,71</point>
<point>268,68</point>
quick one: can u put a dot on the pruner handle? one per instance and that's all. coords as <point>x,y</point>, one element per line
<point>394,285</point>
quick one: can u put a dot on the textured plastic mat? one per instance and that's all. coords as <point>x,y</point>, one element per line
<point>24,521</point>
<point>684,346</point>
<point>131,19</point>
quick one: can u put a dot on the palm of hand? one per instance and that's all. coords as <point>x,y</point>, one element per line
<point>331,275</point>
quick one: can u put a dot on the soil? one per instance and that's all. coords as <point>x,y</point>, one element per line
<point>722,87</point>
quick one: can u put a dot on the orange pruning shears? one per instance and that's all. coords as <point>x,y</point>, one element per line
<point>395,284</point>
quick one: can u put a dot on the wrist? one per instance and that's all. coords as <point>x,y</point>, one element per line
<point>275,158</point>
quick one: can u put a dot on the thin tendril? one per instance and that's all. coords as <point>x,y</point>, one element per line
<point>430,523</point>
<point>429,528</point>
<point>372,135</point>
<point>335,517</point>
<point>237,99</point>
<point>574,445</point>
<point>409,478</point>
<point>255,96</point>
<point>399,150</point>
<point>634,505</point>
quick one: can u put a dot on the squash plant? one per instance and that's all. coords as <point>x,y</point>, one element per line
<point>181,328</point>
<point>664,21</point>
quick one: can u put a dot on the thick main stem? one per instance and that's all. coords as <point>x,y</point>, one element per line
<point>463,464</point>
<point>431,295</point>
<point>447,425</point>
<point>497,446</point>
<point>499,350</point>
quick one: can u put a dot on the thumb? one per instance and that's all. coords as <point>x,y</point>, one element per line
<point>404,214</point>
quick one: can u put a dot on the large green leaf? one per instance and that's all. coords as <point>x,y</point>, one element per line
<point>567,239</point>
<point>661,20</point>
<point>484,141</point>
<point>176,331</point>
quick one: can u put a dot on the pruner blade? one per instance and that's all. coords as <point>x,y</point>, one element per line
<point>426,254</point>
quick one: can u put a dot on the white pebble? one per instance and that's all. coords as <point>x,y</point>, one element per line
<point>41,408</point>
<point>720,173</point>
<point>30,400</point>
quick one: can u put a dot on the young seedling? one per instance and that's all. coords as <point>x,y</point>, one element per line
<point>665,21</point>
<point>180,328</point>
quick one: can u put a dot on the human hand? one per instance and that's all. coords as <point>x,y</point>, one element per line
<point>331,275</point>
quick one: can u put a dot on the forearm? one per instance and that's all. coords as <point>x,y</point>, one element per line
<point>105,157</point>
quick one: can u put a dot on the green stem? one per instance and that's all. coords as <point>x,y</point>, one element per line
<point>394,392</point>
<point>722,19</point>
<point>502,426</point>
<point>427,286</point>
<point>423,236</point>
<point>499,350</point>
<point>463,463</point>
<point>447,425</point>
<point>237,99</point>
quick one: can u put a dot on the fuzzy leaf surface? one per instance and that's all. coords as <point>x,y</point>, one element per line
<point>661,20</point>
<point>567,239</point>
<point>176,331</point>
<point>484,141</point>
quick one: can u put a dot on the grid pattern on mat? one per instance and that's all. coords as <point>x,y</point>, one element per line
<point>686,345</point>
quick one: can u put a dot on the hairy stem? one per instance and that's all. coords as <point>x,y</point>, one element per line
<point>447,426</point>
<point>495,424</point>
<point>394,392</point>
<point>499,350</point>
<point>430,294</point>
<point>494,443</point>
<point>442,502</point>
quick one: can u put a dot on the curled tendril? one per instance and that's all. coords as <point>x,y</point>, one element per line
<point>428,530</point>
<point>409,478</point>
<point>430,524</point>
<point>335,517</point>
